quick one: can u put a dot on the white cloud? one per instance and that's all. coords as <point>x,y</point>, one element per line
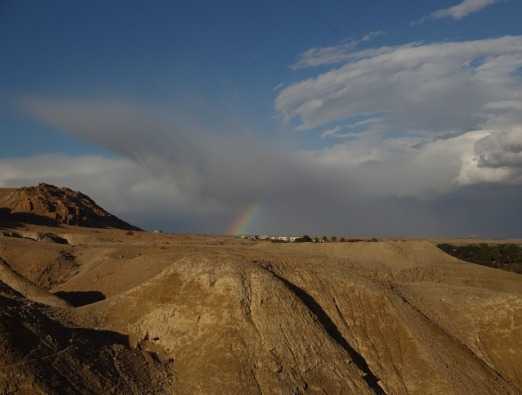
<point>496,158</point>
<point>335,54</point>
<point>353,127</point>
<point>420,88</point>
<point>399,167</point>
<point>278,87</point>
<point>463,9</point>
<point>330,132</point>
<point>470,91</point>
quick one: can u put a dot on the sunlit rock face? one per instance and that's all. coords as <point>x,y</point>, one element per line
<point>59,206</point>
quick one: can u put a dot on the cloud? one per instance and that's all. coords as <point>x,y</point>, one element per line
<point>399,167</point>
<point>120,184</point>
<point>502,149</point>
<point>458,11</point>
<point>456,106</point>
<point>463,9</point>
<point>278,87</point>
<point>353,127</point>
<point>394,189</point>
<point>208,177</point>
<point>329,55</point>
<point>496,159</point>
<point>429,88</point>
<point>330,132</point>
<point>423,136</point>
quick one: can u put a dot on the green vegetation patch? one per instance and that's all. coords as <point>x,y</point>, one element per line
<point>499,256</point>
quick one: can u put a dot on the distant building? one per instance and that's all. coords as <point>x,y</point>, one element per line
<point>279,239</point>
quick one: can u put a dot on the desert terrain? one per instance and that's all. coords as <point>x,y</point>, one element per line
<point>100,307</point>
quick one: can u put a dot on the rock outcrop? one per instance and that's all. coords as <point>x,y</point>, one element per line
<point>46,203</point>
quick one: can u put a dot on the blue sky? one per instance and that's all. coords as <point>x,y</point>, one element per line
<point>256,71</point>
<point>227,55</point>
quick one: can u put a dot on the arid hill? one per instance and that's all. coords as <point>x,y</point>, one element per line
<point>154,313</point>
<point>42,354</point>
<point>49,204</point>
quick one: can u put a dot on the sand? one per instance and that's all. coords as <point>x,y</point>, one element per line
<point>206,315</point>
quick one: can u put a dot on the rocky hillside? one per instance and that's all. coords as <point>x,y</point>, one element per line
<point>42,355</point>
<point>46,203</point>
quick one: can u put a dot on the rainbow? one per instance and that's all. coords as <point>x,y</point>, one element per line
<point>242,222</point>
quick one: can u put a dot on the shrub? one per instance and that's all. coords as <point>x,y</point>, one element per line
<point>304,239</point>
<point>500,256</point>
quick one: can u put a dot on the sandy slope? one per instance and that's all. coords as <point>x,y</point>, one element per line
<point>239,317</point>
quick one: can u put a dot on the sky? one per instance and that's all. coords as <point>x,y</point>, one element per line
<point>341,118</point>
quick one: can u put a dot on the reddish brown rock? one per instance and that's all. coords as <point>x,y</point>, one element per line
<point>48,203</point>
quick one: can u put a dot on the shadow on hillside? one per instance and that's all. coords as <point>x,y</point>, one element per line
<point>81,298</point>
<point>9,220</point>
<point>329,326</point>
<point>14,309</point>
<point>17,220</point>
<point>100,337</point>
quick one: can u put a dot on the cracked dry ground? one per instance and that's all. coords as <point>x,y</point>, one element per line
<point>216,315</point>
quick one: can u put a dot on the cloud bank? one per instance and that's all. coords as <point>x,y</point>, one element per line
<point>471,90</point>
<point>426,139</point>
